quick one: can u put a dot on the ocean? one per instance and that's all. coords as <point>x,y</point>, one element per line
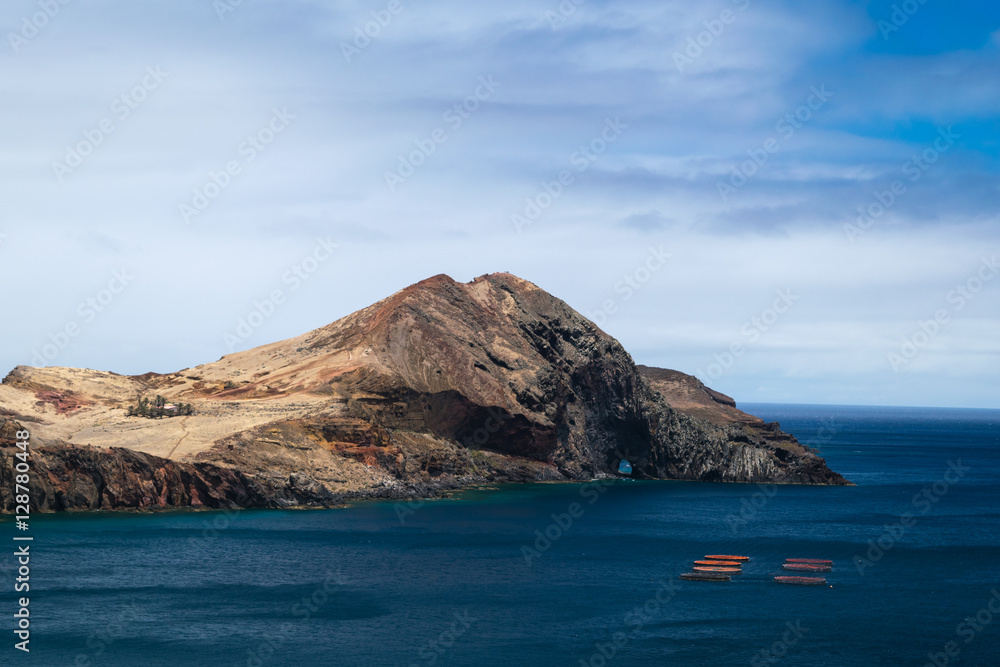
<point>555,574</point>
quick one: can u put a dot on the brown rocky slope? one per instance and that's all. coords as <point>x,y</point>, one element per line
<point>439,386</point>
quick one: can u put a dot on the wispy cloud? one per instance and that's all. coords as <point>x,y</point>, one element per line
<point>688,128</point>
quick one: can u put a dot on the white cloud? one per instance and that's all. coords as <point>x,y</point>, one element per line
<point>325,175</point>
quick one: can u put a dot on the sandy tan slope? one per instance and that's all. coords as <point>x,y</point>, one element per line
<point>442,383</point>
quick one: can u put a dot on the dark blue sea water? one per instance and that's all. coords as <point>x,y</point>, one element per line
<point>467,581</point>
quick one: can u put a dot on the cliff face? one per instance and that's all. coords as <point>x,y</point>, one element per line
<point>441,385</point>
<point>774,453</point>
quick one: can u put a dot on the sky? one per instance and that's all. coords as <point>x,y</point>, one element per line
<point>796,202</point>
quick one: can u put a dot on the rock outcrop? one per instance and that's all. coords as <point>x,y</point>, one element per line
<point>439,386</point>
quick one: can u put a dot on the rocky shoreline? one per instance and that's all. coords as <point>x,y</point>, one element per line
<point>70,479</point>
<point>439,387</point>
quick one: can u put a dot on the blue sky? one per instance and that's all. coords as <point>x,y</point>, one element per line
<point>825,179</point>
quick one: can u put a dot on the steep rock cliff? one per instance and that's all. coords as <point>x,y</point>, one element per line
<point>441,385</point>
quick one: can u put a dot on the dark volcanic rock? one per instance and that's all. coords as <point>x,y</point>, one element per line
<point>65,477</point>
<point>500,352</point>
<point>439,386</point>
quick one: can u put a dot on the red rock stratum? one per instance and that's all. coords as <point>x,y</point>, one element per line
<point>439,386</point>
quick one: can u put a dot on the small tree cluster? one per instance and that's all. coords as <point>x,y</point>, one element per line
<point>157,409</point>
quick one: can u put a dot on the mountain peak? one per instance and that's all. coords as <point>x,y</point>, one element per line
<point>441,384</point>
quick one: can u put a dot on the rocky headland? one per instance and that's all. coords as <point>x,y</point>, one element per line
<point>441,386</point>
